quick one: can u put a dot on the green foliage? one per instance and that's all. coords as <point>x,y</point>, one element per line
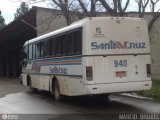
<point>21,10</point>
<point>154,92</point>
<point>2,21</point>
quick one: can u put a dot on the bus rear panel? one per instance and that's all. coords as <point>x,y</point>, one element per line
<point>116,56</point>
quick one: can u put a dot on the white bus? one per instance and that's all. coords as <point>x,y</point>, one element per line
<point>96,55</point>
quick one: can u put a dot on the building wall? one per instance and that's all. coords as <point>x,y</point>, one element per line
<point>154,36</point>
<point>47,21</point>
<point>155,50</point>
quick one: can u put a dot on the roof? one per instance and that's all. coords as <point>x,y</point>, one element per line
<point>17,31</point>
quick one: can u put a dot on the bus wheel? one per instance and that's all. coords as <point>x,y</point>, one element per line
<point>35,90</point>
<point>57,95</point>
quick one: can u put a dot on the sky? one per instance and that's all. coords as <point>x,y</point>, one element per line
<point>8,8</point>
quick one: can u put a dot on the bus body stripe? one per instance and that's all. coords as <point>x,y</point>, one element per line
<point>62,61</point>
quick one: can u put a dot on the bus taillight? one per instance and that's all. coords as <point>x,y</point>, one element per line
<point>89,73</point>
<point>148,69</point>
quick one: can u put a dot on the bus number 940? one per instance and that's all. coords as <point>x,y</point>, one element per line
<point>120,63</point>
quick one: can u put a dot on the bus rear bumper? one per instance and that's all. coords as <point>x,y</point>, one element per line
<point>102,88</point>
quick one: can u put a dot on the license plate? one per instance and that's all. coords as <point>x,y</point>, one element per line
<point>121,74</point>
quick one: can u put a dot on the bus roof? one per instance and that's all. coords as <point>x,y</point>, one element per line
<point>77,24</point>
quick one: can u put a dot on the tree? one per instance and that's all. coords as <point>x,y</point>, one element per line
<point>153,4</point>
<point>90,8</point>
<point>79,7</point>
<point>143,4</point>
<point>87,8</point>
<point>64,5</point>
<point>155,15</point>
<point>21,10</point>
<point>2,21</point>
<point>115,7</point>
<point>70,8</point>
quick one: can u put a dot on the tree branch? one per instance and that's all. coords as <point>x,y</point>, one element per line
<point>106,6</point>
<point>126,5</point>
<point>83,7</point>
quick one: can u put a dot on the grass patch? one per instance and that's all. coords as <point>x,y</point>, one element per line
<point>154,92</point>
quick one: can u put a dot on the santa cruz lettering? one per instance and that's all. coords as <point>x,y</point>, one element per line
<point>118,45</point>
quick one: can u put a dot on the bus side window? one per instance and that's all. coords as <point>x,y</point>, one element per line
<point>48,48</point>
<point>53,47</point>
<point>70,48</point>
<point>59,45</point>
<point>34,52</point>
<point>45,48</point>
<point>38,48</point>
<point>78,42</point>
<point>65,43</point>
<point>42,48</point>
<point>30,51</point>
<point>25,50</point>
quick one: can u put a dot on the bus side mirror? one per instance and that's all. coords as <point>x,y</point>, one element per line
<point>23,55</point>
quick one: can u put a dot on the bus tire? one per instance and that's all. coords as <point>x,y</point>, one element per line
<point>29,83</point>
<point>34,90</point>
<point>57,95</point>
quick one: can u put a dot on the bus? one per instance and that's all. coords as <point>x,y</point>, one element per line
<point>93,56</point>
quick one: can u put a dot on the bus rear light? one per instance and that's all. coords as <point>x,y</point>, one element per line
<point>94,88</point>
<point>148,69</point>
<point>89,73</point>
<point>146,84</point>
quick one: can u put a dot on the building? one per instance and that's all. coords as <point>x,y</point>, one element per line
<point>35,22</point>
